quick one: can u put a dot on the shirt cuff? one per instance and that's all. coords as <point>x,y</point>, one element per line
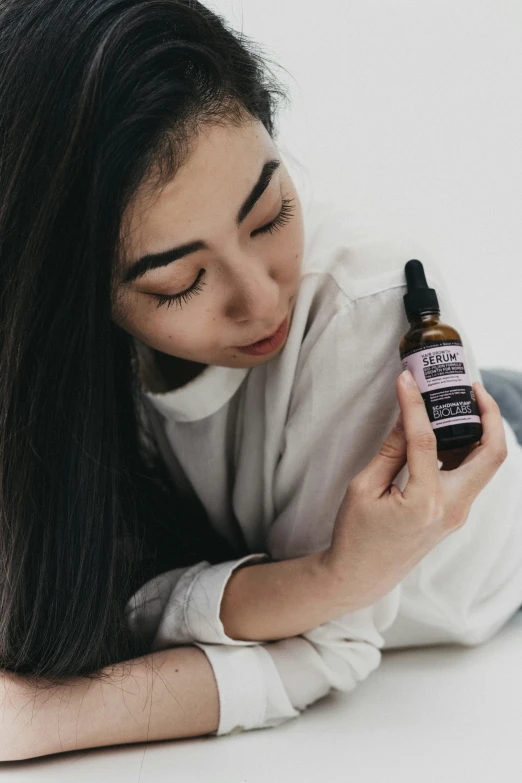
<point>251,694</point>
<point>193,610</point>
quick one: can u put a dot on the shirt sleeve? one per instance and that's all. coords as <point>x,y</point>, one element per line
<point>259,685</point>
<point>343,406</point>
<point>182,606</point>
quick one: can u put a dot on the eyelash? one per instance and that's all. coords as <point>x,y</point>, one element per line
<point>285,215</point>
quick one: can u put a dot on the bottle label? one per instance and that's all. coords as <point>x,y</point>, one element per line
<point>441,375</point>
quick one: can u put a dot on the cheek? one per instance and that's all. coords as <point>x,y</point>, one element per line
<point>183,333</point>
<point>296,250</point>
<point>142,321</point>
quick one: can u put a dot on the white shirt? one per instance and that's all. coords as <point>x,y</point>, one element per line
<point>270,452</point>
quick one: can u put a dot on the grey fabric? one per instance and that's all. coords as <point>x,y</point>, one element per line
<point>505,386</point>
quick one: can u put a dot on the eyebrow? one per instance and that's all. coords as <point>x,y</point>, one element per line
<point>155,260</point>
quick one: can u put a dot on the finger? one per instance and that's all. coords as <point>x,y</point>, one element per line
<point>377,476</point>
<point>421,442</point>
<point>483,461</point>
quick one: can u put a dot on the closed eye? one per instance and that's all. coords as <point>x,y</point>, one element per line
<point>285,215</point>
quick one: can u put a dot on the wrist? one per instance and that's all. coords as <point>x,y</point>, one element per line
<point>282,599</point>
<point>339,598</point>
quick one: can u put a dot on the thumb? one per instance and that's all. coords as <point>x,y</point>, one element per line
<point>389,460</point>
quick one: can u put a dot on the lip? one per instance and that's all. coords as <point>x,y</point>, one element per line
<point>266,337</point>
<point>267,344</point>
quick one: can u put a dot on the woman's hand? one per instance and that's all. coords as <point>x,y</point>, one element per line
<point>381,533</point>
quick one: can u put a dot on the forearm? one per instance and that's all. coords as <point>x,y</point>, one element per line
<point>270,601</point>
<point>168,694</point>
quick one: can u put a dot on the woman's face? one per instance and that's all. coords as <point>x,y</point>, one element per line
<point>247,280</point>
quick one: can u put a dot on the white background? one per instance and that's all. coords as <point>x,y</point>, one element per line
<point>409,114</point>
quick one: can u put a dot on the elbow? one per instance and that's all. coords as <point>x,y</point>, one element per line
<point>341,665</point>
<point>474,637</point>
<point>352,664</point>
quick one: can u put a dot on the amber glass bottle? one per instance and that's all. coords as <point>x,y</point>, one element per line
<point>433,352</point>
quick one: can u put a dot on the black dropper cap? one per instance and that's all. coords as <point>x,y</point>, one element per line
<point>420,298</point>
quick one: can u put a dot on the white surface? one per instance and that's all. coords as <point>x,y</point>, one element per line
<point>435,714</point>
<point>408,113</point>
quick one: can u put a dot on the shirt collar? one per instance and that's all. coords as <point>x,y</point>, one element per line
<point>199,398</point>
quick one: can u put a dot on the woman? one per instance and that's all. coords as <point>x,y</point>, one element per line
<point>147,453</point>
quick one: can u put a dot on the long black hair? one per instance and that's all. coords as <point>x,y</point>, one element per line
<point>96,96</point>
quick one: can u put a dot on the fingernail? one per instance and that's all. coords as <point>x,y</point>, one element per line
<point>408,379</point>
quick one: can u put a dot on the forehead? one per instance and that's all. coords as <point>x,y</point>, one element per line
<point>208,187</point>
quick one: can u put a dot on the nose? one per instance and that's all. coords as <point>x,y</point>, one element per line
<point>254,294</point>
